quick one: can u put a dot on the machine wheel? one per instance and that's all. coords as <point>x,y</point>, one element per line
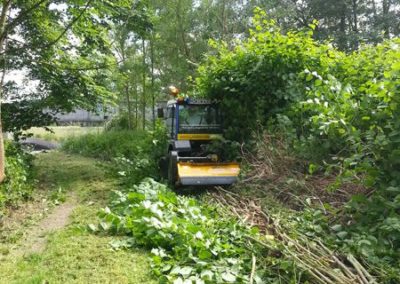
<point>163,165</point>
<point>173,168</point>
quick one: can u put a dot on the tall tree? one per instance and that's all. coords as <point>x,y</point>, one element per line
<point>144,86</point>
<point>182,29</point>
<point>346,22</point>
<point>64,46</point>
<point>3,19</point>
<point>152,90</point>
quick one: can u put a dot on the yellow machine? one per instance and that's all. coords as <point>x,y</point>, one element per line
<point>192,124</point>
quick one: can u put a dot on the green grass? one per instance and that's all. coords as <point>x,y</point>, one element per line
<point>74,254</point>
<point>109,145</point>
<point>71,173</point>
<point>62,132</point>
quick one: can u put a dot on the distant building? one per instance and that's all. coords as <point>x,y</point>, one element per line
<point>85,117</point>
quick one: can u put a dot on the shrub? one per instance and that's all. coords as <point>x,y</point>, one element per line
<point>107,145</point>
<point>134,155</point>
<point>120,122</point>
<point>259,77</point>
<point>339,111</point>
<point>18,183</point>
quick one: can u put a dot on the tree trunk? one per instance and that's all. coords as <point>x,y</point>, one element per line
<point>223,16</point>
<point>126,87</point>
<point>355,22</point>
<point>2,150</point>
<point>343,40</point>
<point>128,101</point>
<point>2,155</point>
<point>3,18</point>
<point>136,105</point>
<point>182,31</point>
<point>385,14</point>
<point>374,11</point>
<point>144,85</point>
<point>152,82</point>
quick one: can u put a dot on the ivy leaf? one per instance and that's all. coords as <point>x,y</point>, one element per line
<point>207,274</point>
<point>204,254</point>
<point>92,227</point>
<point>228,277</point>
<point>342,234</point>
<point>185,271</point>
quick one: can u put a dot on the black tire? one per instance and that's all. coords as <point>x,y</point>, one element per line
<point>163,165</point>
<point>173,168</point>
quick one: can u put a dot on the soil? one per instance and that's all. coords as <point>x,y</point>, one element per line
<point>34,240</point>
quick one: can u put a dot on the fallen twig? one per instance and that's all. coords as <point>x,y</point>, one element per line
<point>253,268</point>
<point>322,264</point>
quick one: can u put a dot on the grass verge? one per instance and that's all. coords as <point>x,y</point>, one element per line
<point>61,133</point>
<point>72,254</point>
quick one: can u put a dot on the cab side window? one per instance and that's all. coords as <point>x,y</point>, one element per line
<point>170,119</point>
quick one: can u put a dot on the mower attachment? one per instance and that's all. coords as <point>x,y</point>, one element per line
<point>190,173</point>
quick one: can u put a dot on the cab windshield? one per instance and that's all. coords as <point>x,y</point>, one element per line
<point>199,117</point>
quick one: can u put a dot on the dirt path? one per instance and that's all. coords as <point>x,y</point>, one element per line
<point>52,244</point>
<point>36,238</point>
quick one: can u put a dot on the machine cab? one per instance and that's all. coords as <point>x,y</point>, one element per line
<point>192,119</point>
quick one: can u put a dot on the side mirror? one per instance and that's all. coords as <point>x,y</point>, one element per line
<point>160,113</point>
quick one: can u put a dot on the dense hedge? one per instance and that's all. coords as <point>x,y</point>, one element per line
<point>259,78</point>
<point>339,111</point>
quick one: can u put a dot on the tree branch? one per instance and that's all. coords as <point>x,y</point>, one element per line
<point>5,7</point>
<point>69,25</point>
<point>91,68</point>
<point>3,42</point>
<point>19,18</point>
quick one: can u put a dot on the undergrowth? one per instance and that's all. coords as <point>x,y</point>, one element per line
<point>130,155</point>
<point>18,184</point>
<point>309,205</point>
<point>189,241</point>
<point>107,145</point>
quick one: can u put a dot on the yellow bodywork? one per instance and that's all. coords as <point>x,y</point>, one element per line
<point>204,137</point>
<point>207,173</point>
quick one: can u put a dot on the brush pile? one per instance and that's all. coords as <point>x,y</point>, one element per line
<point>322,264</point>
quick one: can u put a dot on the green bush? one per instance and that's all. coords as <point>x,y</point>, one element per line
<point>353,118</point>
<point>133,155</point>
<point>120,122</point>
<point>339,111</point>
<point>108,145</point>
<point>259,77</point>
<point>18,183</point>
